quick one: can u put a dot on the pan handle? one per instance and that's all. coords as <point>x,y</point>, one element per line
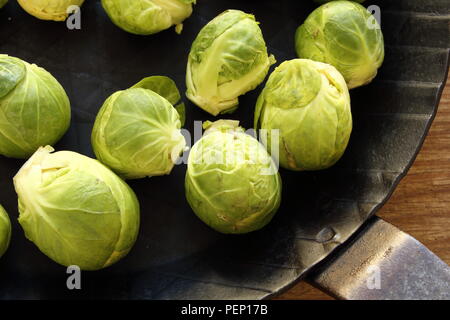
<point>383,262</point>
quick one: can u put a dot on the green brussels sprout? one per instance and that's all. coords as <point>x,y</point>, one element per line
<point>76,210</point>
<point>145,17</point>
<point>227,59</point>
<point>345,35</point>
<point>325,1</point>
<point>309,103</point>
<point>35,109</point>
<point>232,184</point>
<point>137,131</point>
<point>5,231</point>
<point>55,10</point>
<point>2,3</point>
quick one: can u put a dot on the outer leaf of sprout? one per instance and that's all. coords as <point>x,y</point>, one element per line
<point>181,109</point>
<point>164,86</point>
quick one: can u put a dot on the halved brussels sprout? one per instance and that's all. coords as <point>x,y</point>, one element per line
<point>5,231</point>
<point>145,17</point>
<point>309,103</point>
<point>49,9</point>
<point>232,183</point>
<point>345,35</point>
<point>137,131</point>
<point>75,210</point>
<point>2,3</point>
<point>227,59</point>
<point>34,108</point>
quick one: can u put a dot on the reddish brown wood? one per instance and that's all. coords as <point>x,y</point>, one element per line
<point>420,205</point>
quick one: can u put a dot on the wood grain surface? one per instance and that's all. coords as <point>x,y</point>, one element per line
<point>420,205</point>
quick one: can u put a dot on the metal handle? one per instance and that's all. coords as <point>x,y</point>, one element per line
<point>383,262</point>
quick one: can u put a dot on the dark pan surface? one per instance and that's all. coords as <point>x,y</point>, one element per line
<point>177,256</point>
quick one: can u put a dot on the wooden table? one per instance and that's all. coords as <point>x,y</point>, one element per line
<point>420,205</point>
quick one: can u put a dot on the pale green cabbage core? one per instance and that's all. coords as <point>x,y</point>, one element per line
<point>309,103</point>
<point>225,184</point>
<point>75,210</point>
<point>345,35</point>
<point>227,59</point>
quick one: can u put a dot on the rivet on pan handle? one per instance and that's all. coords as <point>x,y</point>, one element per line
<point>383,262</point>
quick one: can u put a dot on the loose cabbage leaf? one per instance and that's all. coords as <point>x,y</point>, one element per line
<point>164,86</point>
<point>181,109</point>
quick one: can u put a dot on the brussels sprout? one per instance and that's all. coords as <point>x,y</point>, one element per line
<point>77,211</point>
<point>137,131</point>
<point>35,109</point>
<point>2,3</point>
<point>145,17</point>
<point>325,1</point>
<point>49,9</point>
<point>227,59</point>
<point>308,102</point>
<point>5,231</point>
<point>232,183</point>
<point>345,35</point>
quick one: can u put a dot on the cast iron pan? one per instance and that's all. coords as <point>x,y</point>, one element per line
<point>176,255</point>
